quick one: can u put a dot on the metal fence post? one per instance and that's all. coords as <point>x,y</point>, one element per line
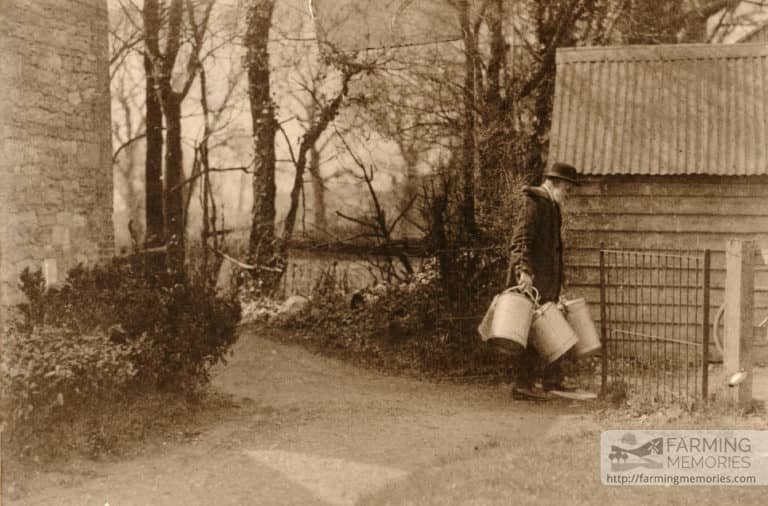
<point>603,326</point>
<point>705,327</point>
<point>739,319</point>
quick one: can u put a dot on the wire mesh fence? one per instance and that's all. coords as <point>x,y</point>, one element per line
<point>654,312</point>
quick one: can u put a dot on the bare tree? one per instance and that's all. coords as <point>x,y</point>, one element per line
<point>336,70</point>
<point>376,227</point>
<point>171,89</point>
<point>310,75</point>
<point>262,247</point>
<point>128,120</point>
<point>217,113</point>
<point>153,165</point>
<point>327,111</point>
<point>488,99</point>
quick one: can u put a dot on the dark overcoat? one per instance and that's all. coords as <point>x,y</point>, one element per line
<point>537,246</point>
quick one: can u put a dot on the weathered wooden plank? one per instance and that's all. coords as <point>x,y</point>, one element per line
<point>655,53</point>
<point>684,240</point>
<point>674,186</point>
<point>652,316</point>
<point>669,223</point>
<point>617,204</point>
<point>717,293</point>
<point>592,294</point>
<point>591,275</point>
<point>660,300</point>
<point>590,257</point>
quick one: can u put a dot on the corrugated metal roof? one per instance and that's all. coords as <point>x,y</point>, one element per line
<point>674,109</point>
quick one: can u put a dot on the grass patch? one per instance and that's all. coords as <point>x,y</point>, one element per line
<point>564,470</point>
<point>123,428</point>
<point>116,429</point>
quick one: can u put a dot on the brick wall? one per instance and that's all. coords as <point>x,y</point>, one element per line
<point>55,147</point>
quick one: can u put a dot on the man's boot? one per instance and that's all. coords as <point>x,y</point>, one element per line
<point>528,393</point>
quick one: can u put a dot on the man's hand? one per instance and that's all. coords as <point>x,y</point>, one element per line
<point>524,281</point>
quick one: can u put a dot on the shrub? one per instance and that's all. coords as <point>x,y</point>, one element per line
<point>398,310</point>
<point>409,309</point>
<point>399,326</point>
<point>107,337</point>
<point>48,370</point>
<point>176,329</point>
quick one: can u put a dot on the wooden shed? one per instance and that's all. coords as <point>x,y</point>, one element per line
<point>672,141</point>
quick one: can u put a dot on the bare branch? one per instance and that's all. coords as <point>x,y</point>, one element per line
<point>288,142</point>
<point>403,212</point>
<point>359,221</point>
<point>192,178</point>
<point>125,145</point>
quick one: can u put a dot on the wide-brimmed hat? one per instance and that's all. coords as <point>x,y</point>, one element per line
<point>563,171</point>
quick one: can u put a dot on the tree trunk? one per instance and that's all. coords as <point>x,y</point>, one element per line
<point>410,188</point>
<point>467,203</point>
<point>494,138</point>
<point>318,192</point>
<point>328,112</point>
<point>174,176</point>
<point>153,165</point>
<point>261,247</point>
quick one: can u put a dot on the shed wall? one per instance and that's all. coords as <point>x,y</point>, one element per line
<point>669,214</point>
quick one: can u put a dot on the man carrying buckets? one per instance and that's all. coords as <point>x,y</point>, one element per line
<point>536,262</point>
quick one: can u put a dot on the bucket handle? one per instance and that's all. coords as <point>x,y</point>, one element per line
<point>532,293</point>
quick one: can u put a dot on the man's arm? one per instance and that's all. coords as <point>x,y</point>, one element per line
<point>522,241</point>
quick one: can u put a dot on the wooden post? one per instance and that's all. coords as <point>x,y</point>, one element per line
<point>738,318</point>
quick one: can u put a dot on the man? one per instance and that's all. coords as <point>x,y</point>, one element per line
<point>537,261</point>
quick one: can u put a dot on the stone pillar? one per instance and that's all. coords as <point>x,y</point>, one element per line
<point>55,139</point>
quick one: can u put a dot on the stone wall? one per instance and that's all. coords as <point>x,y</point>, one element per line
<point>55,144</point>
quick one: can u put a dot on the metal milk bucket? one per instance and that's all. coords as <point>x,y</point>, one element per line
<point>577,315</point>
<point>552,335</point>
<point>512,316</point>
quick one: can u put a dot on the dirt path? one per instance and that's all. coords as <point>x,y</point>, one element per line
<point>311,430</point>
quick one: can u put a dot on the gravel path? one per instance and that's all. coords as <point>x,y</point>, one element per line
<point>310,430</point>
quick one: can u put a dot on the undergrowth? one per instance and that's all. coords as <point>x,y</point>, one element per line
<point>395,328</point>
<point>79,362</point>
